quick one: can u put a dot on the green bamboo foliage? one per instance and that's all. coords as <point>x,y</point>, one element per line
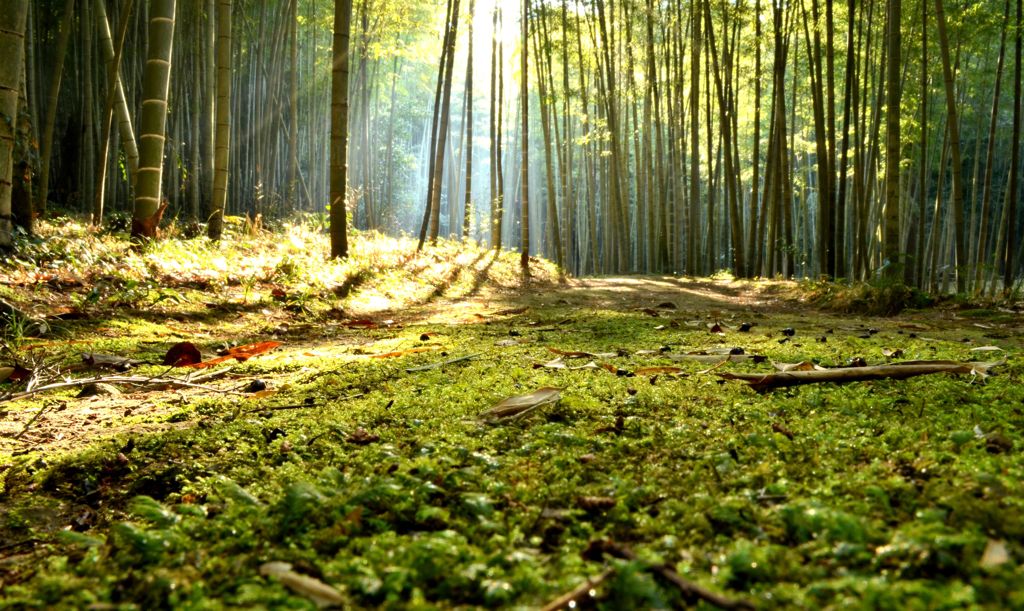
<point>157,77</point>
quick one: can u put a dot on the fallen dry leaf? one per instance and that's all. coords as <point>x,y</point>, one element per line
<point>995,554</point>
<point>322,595</point>
<point>182,354</point>
<point>362,437</point>
<point>520,405</point>
<point>595,503</point>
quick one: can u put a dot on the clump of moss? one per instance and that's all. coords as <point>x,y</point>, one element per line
<point>876,298</point>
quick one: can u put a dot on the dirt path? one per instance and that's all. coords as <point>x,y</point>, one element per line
<point>67,423</point>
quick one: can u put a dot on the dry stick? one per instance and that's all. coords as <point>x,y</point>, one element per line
<point>114,380</point>
<point>688,588</point>
<point>899,371</point>
<point>443,363</point>
<point>32,421</point>
<point>578,592</point>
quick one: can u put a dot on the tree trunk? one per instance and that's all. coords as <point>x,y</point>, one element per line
<point>957,197</point>
<point>12,45</point>
<point>442,129</point>
<point>222,138</point>
<point>114,98</point>
<point>1010,261</point>
<point>467,211</point>
<point>986,190</point>
<point>149,206</point>
<point>891,232</point>
<point>524,92</point>
<point>46,149</point>
<point>339,128</point>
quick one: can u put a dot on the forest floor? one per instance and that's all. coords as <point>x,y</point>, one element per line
<point>358,428</point>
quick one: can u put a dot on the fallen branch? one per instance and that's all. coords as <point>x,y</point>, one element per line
<point>689,589</point>
<point>899,371</point>
<point>137,380</point>
<point>442,363</point>
<point>584,589</point>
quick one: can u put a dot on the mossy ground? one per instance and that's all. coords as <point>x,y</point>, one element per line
<point>386,484</point>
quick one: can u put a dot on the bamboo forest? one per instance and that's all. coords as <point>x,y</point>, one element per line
<point>553,304</point>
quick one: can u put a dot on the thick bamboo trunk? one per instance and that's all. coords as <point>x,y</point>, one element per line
<point>339,128</point>
<point>222,133</point>
<point>148,197</point>
<point>46,148</point>
<point>12,39</point>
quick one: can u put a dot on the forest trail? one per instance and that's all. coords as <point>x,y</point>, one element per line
<point>614,293</point>
<point>675,304</point>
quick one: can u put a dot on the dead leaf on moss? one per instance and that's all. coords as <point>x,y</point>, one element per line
<point>182,354</point>
<point>362,437</point>
<point>520,405</point>
<point>322,595</point>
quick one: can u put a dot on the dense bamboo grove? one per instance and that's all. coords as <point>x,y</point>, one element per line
<point>855,140</point>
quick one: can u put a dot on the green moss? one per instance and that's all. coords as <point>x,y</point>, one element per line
<point>867,494</point>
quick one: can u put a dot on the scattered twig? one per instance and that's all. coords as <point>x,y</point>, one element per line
<point>578,592</point>
<point>442,363</point>
<point>274,408</point>
<point>689,589</point>
<point>899,371</point>
<point>138,380</point>
<point>32,421</point>
<point>10,546</point>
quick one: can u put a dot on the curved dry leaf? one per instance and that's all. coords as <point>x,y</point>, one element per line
<point>520,405</point>
<point>801,366</point>
<point>995,554</point>
<point>322,595</point>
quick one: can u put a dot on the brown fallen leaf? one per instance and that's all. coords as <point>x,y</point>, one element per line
<point>781,430</point>
<point>182,354</point>
<point>892,353</point>
<point>247,351</point>
<point>520,405</point>
<point>322,595</point>
<point>362,437</point>
<point>595,503</point>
